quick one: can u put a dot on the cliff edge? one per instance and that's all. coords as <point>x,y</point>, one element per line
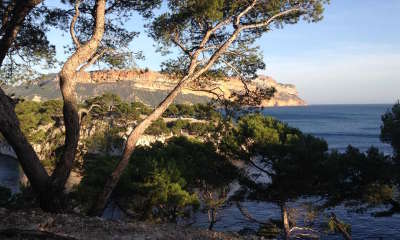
<point>148,87</point>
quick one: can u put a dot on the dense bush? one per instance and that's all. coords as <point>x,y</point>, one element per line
<point>362,179</point>
<point>178,126</point>
<point>291,159</point>
<point>192,128</point>
<point>300,165</point>
<point>107,104</point>
<point>390,129</point>
<point>158,127</point>
<point>198,111</point>
<point>34,114</point>
<point>105,141</point>
<point>161,180</point>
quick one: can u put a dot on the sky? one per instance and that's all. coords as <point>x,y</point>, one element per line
<point>352,56</point>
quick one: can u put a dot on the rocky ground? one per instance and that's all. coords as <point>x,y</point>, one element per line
<point>35,224</point>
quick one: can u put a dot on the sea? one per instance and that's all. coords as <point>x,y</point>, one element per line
<point>340,126</point>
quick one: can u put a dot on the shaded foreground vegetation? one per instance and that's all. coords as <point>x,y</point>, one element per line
<point>203,154</point>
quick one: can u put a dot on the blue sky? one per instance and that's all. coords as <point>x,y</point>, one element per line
<point>351,56</point>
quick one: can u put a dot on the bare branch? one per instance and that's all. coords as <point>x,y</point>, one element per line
<point>244,12</point>
<point>258,167</point>
<point>110,8</point>
<point>212,31</point>
<point>179,44</point>
<point>220,97</point>
<point>218,52</point>
<point>72,26</point>
<point>94,59</point>
<point>235,34</point>
<point>270,20</point>
<point>238,73</point>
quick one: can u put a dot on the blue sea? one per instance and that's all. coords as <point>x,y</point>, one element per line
<point>340,126</point>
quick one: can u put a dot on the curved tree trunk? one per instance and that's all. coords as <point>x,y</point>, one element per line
<point>68,81</point>
<point>134,136</point>
<point>48,188</point>
<point>192,73</point>
<point>9,124</point>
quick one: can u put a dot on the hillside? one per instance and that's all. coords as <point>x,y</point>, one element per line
<point>148,87</point>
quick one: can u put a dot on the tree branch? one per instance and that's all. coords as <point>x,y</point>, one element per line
<point>211,31</point>
<point>270,20</point>
<point>244,12</point>
<point>68,91</point>
<point>73,22</point>
<point>179,44</point>
<point>238,73</point>
<point>94,59</point>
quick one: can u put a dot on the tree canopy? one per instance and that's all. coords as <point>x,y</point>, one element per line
<point>390,129</point>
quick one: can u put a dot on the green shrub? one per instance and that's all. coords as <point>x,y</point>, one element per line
<point>198,111</point>
<point>111,103</point>
<point>161,180</point>
<point>106,140</point>
<point>200,128</point>
<point>390,129</point>
<point>178,125</point>
<point>34,114</point>
<point>158,127</point>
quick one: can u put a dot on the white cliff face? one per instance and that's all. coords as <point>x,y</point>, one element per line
<point>151,87</point>
<point>147,140</point>
<point>264,81</point>
<point>286,94</point>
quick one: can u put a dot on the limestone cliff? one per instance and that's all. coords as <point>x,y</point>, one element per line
<point>150,87</point>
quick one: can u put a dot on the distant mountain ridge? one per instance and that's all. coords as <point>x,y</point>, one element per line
<point>148,87</point>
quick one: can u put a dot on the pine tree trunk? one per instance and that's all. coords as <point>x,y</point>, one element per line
<point>102,199</point>
<point>49,189</point>
<point>113,179</point>
<point>285,221</point>
<point>68,81</point>
<point>9,123</point>
<point>29,161</point>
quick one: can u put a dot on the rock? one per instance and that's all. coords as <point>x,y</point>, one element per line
<point>70,226</point>
<point>269,231</point>
<point>247,231</point>
<point>150,88</point>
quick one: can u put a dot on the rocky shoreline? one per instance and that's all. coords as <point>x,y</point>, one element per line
<point>35,224</point>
